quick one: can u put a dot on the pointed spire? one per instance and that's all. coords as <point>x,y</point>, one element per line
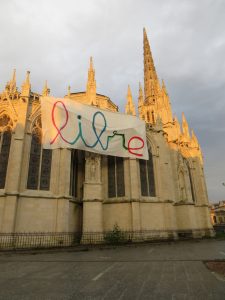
<point>185,126</point>
<point>27,81</point>
<point>164,87</point>
<point>140,96</point>
<point>91,85</point>
<point>14,76</point>
<point>165,105</point>
<point>13,88</point>
<point>194,139</point>
<point>26,85</point>
<point>177,124</point>
<point>91,72</point>
<point>91,64</point>
<point>130,107</point>
<point>151,83</point>
<point>69,92</point>
<point>11,85</point>
<point>129,92</point>
<point>140,103</point>
<point>46,90</point>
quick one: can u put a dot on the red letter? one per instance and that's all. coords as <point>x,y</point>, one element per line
<point>130,149</point>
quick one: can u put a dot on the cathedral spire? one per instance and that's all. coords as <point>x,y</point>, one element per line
<point>140,102</point>
<point>151,83</point>
<point>130,108</point>
<point>91,84</point>
<point>46,90</point>
<point>177,128</point>
<point>13,82</point>
<point>26,85</point>
<point>11,85</point>
<point>91,64</point>
<point>14,77</point>
<point>164,87</point>
<point>166,110</point>
<point>69,91</point>
<point>140,96</point>
<point>91,73</point>
<point>194,139</point>
<point>185,127</point>
<point>27,80</point>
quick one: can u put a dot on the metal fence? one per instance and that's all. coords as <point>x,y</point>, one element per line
<point>219,227</point>
<point>72,239</point>
<point>38,240</point>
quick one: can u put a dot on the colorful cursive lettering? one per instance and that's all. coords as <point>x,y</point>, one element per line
<point>98,136</point>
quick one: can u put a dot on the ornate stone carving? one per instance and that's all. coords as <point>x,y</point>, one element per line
<point>5,123</point>
<point>182,188</point>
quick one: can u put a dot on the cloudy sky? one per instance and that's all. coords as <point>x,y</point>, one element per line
<point>54,40</point>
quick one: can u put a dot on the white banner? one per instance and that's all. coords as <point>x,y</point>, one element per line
<point>70,124</point>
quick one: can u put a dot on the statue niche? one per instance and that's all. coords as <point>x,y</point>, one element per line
<point>92,167</point>
<point>182,189</point>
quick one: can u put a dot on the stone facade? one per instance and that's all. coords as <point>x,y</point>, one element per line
<point>74,191</point>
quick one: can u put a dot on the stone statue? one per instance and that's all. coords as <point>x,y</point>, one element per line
<point>92,167</point>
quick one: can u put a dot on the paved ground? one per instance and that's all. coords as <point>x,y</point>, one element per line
<point>166,271</point>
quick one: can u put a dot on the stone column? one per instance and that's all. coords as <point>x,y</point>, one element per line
<point>15,165</point>
<point>134,194</point>
<point>62,203</point>
<point>92,200</point>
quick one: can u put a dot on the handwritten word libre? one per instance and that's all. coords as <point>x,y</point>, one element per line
<point>98,136</point>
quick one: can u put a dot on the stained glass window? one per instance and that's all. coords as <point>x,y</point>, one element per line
<point>45,169</point>
<point>39,165</point>
<point>116,186</point>
<point>5,142</point>
<point>147,176</point>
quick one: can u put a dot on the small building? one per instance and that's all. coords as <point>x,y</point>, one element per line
<point>217,213</point>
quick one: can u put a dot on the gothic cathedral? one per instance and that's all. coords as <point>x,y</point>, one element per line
<point>67,190</point>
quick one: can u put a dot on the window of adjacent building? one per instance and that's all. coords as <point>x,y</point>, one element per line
<point>39,165</point>
<point>116,186</point>
<point>147,177</point>
<point>5,142</point>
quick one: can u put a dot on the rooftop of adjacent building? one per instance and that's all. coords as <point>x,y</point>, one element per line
<point>218,205</point>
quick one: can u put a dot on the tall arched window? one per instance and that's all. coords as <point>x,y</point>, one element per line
<point>116,186</point>
<point>191,182</point>
<point>182,187</point>
<point>147,176</point>
<point>39,164</point>
<point>5,142</point>
<point>77,168</point>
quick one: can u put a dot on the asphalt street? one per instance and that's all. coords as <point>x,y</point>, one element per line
<point>152,271</point>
